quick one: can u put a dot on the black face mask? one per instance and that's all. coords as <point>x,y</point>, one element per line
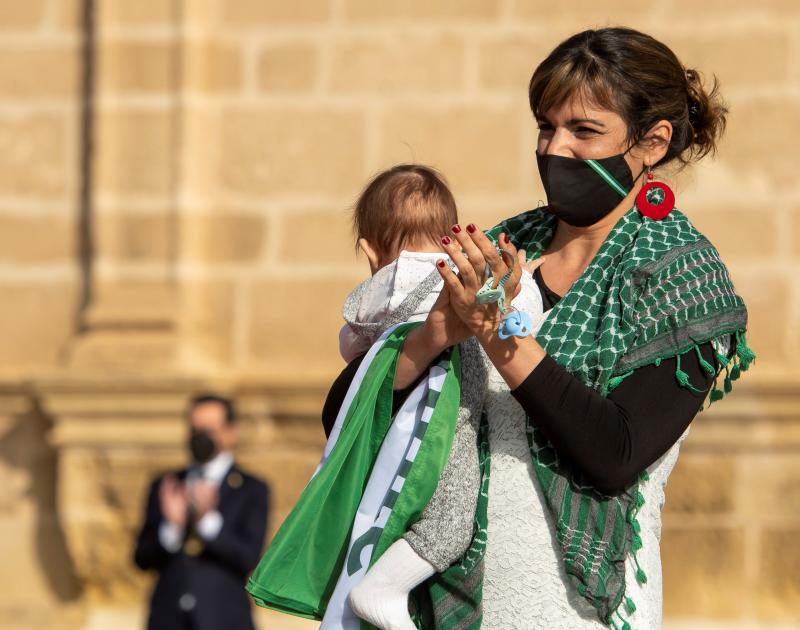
<point>202,446</point>
<point>580,193</point>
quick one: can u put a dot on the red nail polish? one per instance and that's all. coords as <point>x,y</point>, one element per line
<point>456,228</point>
<point>445,240</point>
<point>471,228</point>
<point>505,239</point>
<point>440,263</point>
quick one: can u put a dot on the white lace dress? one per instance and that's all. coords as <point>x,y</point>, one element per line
<point>525,584</point>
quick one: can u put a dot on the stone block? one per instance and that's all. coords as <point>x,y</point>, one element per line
<point>584,13</point>
<point>19,15</point>
<point>768,314</point>
<point>725,228</point>
<point>288,67</point>
<point>214,67</point>
<point>123,13</point>
<point>778,587</point>
<point>208,323</point>
<point>477,149</point>
<point>41,316</point>
<point>224,237</point>
<point>702,483</point>
<point>421,10</point>
<point>746,56</point>
<point>399,63</point>
<point>40,140</point>
<point>273,151</point>
<point>32,239</point>
<point>326,236</point>
<point>135,237</point>
<point>794,232</point>
<point>137,67</point>
<point>301,334</point>
<point>135,152</point>
<point>39,72</point>
<point>746,152</point>
<point>775,10</point>
<point>771,485</point>
<point>703,572</point>
<point>268,13</point>
<point>508,62</point>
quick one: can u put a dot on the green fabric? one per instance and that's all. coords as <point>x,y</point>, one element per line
<point>299,570</point>
<point>655,289</point>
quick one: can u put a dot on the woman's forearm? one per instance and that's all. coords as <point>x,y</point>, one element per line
<point>515,358</point>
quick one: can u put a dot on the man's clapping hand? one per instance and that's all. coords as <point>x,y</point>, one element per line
<point>174,500</point>
<point>204,497</point>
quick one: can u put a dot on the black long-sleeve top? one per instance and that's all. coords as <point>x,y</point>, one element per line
<point>609,440</point>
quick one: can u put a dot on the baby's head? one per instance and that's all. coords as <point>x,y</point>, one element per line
<point>409,207</point>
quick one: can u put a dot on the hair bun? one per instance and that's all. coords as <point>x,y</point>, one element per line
<point>707,115</point>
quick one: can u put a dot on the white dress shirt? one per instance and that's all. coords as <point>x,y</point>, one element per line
<point>210,524</point>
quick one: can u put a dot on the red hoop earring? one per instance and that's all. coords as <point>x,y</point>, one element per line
<point>655,200</point>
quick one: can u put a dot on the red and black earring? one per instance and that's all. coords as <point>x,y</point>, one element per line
<point>655,200</point>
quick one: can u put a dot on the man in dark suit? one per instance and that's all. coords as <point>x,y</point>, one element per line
<point>204,529</point>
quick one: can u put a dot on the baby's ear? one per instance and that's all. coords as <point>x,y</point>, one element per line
<point>372,255</point>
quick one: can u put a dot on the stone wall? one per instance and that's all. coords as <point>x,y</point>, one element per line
<point>175,182</point>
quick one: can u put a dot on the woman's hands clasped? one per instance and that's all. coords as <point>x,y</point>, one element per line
<point>470,250</point>
<point>456,316</point>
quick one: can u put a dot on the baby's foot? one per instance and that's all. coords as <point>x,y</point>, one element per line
<point>382,607</point>
<point>381,598</point>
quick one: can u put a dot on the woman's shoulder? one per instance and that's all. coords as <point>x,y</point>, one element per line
<point>672,246</point>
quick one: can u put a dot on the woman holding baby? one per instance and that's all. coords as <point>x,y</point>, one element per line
<point>586,412</point>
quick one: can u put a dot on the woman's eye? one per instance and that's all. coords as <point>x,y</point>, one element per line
<point>586,130</point>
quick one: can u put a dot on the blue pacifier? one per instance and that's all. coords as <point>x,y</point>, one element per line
<point>515,324</point>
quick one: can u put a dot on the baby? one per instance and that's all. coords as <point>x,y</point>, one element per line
<point>398,222</point>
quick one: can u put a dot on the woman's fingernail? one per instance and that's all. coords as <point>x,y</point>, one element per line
<point>505,239</point>
<point>445,240</point>
<point>456,228</point>
<point>440,263</point>
<point>471,228</point>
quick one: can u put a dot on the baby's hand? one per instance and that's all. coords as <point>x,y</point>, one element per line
<point>528,266</point>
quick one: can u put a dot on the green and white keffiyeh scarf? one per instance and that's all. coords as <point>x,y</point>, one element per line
<point>654,290</point>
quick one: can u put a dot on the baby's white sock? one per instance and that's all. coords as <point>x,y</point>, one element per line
<point>381,598</point>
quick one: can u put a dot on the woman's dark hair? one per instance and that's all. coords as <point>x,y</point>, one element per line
<point>641,79</point>
<point>402,204</point>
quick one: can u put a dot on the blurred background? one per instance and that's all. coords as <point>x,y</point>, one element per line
<point>175,178</point>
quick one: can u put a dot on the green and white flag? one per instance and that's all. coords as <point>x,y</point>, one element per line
<point>376,476</point>
<point>395,459</point>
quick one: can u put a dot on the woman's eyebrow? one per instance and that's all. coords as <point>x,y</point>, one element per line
<point>574,121</point>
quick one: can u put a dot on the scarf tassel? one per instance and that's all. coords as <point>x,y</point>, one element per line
<point>734,366</point>
<point>683,377</point>
<point>624,626</point>
<point>614,381</point>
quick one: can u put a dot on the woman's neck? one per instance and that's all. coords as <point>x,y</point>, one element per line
<point>575,247</point>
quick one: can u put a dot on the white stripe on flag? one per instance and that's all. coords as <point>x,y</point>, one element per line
<point>412,451</point>
<point>383,517</point>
